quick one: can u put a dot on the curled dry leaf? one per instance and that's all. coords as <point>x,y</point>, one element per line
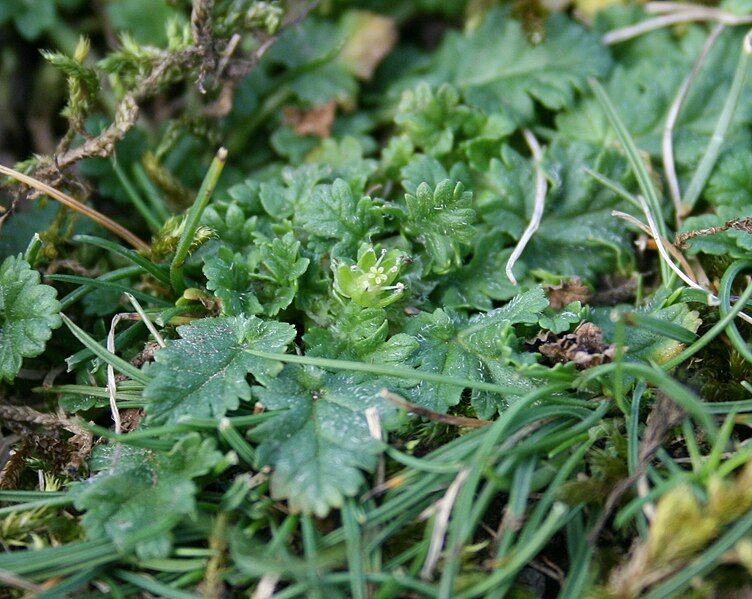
<point>584,347</point>
<point>314,121</point>
<point>566,292</point>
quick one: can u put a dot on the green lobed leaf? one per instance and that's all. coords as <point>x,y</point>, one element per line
<point>441,219</point>
<point>138,491</point>
<point>28,313</point>
<point>203,374</point>
<point>498,70</point>
<point>320,445</point>
<point>474,349</point>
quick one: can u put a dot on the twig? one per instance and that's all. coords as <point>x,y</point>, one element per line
<point>740,224</point>
<point>541,187</point>
<point>431,415</point>
<point>182,63</point>
<point>441,523</point>
<point>673,114</point>
<point>74,204</point>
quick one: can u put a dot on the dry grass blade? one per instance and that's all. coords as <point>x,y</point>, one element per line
<point>14,581</point>
<point>541,187</point>
<point>111,382</point>
<point>441,524</point>
<point>673,13</point>
<point>668,245</point>
<point>663,252</point>
<point>74,204</point>
<point>662,249</point>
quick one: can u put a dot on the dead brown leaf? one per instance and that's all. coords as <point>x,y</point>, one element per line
<point>566,292</point>
<point>314,121</point>
<point>584,347</point>
<point>370,38</point>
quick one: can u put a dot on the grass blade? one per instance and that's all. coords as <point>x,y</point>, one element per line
<point>116,362</point>
<point>647,188</point>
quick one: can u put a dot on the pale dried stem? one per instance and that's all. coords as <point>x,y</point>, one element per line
<point>666,258</point>
<point>265,587</point>
<point>74,204</point>
<point>541,187</point>
<point>643,488</point>
<point>441,524</point>
<point>669,246</point>
<point>146,320</point>
<point>662,249</point>
<point>669,164</point>
<point>688,15</point>
<point>111,382</point>
<point>374,427</point>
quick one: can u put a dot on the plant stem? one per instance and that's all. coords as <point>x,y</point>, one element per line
<point>193,218</point>
<point>395,371</point>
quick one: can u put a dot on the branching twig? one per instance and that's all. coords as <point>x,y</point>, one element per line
<point>739,224</point>
<point>541,187</point>
<point>201,54</point>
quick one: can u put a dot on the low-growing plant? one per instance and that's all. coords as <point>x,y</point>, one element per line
<point>381,299</point>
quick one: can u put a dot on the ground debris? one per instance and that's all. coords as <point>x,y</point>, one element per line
<point>566,292</point>
<point>313,121</point>
<point>584,346</point>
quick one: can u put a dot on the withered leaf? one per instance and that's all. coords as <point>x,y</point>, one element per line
<point>314,121</point>
<point>566,292</point>
<point>584,347</point>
